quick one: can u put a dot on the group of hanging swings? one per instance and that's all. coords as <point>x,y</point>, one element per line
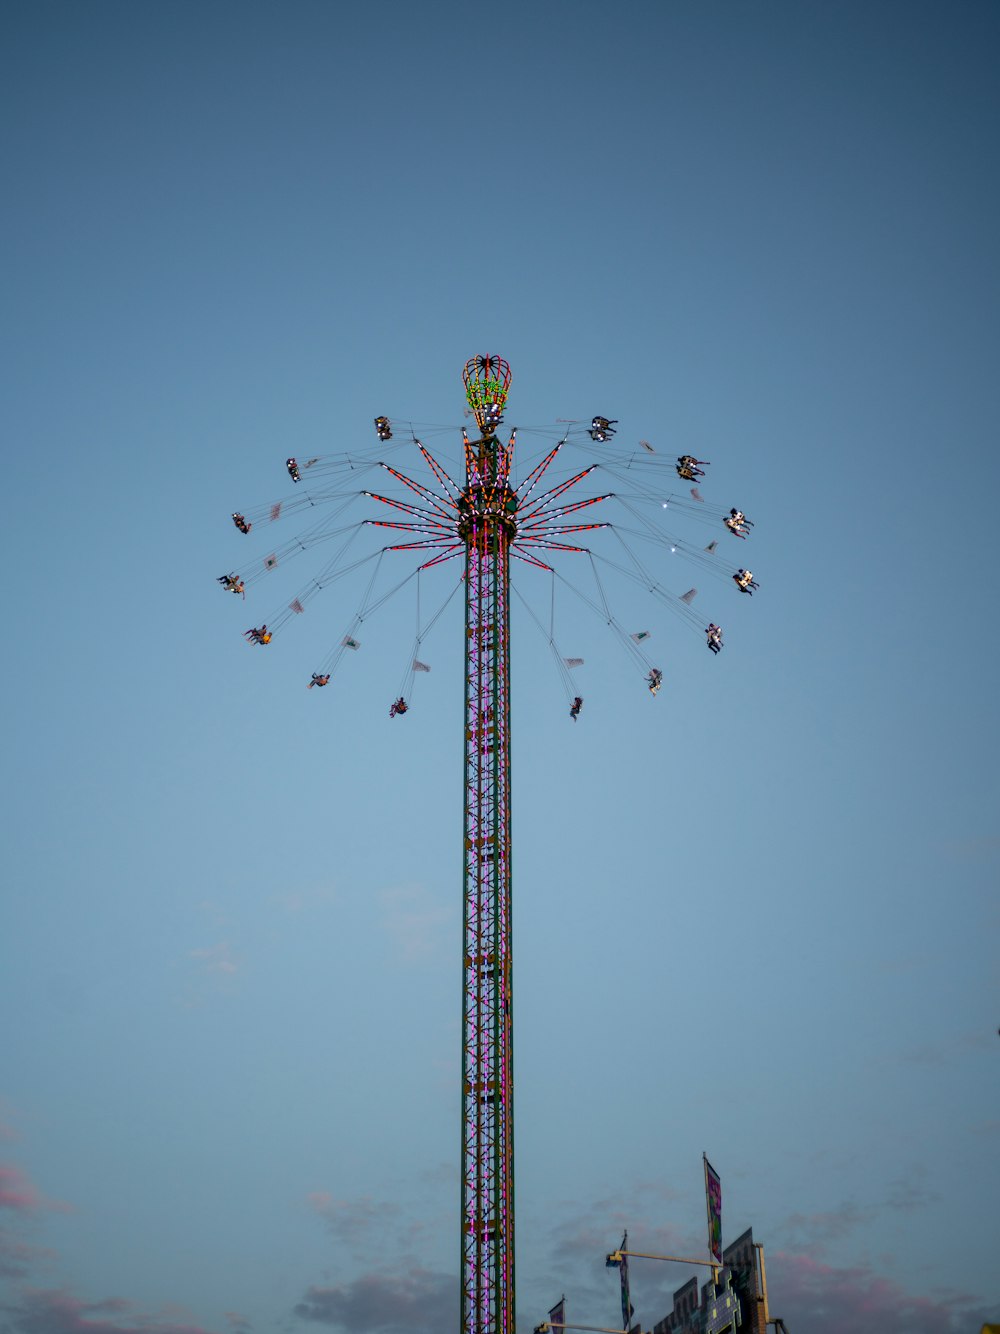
<point>601,430</point>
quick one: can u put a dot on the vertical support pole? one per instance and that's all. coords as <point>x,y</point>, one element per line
<point>487,1049</point>
<point>762,1283</point>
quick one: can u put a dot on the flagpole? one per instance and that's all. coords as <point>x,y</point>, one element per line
<point>628,1310</point>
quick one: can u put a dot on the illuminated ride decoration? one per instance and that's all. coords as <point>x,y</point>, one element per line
<point>489,518</point>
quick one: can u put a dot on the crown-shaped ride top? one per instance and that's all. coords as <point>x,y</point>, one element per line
<point>487,381</point>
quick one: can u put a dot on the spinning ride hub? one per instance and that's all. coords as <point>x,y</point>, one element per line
<point>482,507</point>
<point>487,525</point>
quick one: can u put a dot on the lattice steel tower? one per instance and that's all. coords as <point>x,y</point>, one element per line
<point>487,525</point>
<point>491,520</point>
<point>495,520</point>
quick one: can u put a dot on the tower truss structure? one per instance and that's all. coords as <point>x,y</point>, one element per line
<point>490,520</point>
<point>488,509</point>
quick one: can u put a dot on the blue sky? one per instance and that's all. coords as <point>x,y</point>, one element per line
<point>755,917</point>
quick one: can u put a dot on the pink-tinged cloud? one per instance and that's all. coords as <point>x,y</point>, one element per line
<point>55,1311</point>
<point>22,1196</point>
<point>16,1191</point>
<point>822,1299</point>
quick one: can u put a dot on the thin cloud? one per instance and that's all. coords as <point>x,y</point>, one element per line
<point>814,1231</point>
<point>977,850</point>
<point>7,1130</point>
<point>351,1221</point>
<point>591,1229</point>
<point>813,1296</point>
<point>926,1053</point>
<point>384,1234</point>
<point>16,1191</point>
<point>578,1245</point>
<point>415,920</point>
<point>56,1311</point>
<point>215,912</point>
<point>907,1194</point>
<point>19,1258</point>
<point>447,1174</point>
<point>22,1196</point>
<point>948,1051</point>
<point>417,1302</point>
<point>215,959</point>
<point>296,901</point>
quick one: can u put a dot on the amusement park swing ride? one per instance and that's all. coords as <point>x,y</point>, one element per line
<point>485,513</point>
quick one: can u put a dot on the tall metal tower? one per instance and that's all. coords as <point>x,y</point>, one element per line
<point>487,524</point>
<point>491,520</point>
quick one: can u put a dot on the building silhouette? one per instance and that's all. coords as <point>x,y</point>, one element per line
<point>737,1300</point>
